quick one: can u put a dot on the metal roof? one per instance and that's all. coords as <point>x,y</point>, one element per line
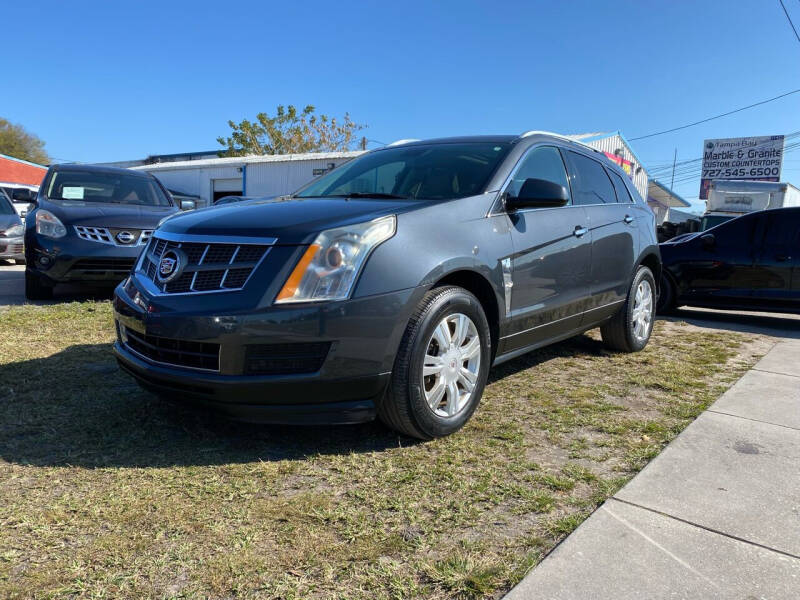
<point>599,135</point>
<point>663,195</point>
<point>24,162</point>
<point>237,161</point>
<point>95,169</point>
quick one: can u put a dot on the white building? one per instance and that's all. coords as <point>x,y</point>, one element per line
<point>271,175</point>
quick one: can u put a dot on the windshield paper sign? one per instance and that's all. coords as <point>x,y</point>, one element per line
<point>72,193</point>
<point>751,158</point>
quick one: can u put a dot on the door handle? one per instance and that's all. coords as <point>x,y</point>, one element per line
<point>628,219</point>
<point>580,231</point>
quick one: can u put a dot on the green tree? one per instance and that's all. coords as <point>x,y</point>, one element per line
<point>289,132</point>
<point>17,142</point>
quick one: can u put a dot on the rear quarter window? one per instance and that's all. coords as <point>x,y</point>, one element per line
<point>591,183</point>
<point>623,193</point>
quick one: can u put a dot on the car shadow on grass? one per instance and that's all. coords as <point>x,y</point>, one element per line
<point>77,408</point>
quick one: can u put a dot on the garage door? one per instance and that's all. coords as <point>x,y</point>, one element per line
<point>226,187</point>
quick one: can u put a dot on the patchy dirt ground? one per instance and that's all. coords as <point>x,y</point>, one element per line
<point>107,493</point>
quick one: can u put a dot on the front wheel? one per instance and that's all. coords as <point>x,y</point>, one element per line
<point>666,296</point>
<point>441,367</point>
<point>629,330</point>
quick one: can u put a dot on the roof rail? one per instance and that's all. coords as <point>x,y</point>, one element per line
<point>400,142</point>
<point>559,136</point>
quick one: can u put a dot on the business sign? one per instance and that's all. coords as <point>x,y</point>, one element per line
<point>750,158</point>
<point>625,165</point>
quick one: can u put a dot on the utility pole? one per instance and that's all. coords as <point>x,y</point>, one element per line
<point>674,160</point>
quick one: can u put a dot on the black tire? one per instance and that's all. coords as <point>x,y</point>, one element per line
<point>666,296</point>
<point>19,261</point>
<point>36,289</point>
<point>618,332</point>
<point>403,406</point>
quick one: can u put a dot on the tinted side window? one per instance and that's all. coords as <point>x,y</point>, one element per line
<point>623,194</point>
<point>591,184</point>
<point>737,233</point>
<point>540,163</point>
<point>782,229</point>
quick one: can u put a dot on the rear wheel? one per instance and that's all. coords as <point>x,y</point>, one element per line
<point>629,330</point>
<point>36,289</point>
<point>441,367</point>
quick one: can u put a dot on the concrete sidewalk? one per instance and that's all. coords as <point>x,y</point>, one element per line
<point>715,515</point>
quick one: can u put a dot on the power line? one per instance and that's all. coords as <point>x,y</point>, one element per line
<point>786,12</point>
<point>649,135</point>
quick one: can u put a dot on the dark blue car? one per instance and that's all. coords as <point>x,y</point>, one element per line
<point>89,224</point>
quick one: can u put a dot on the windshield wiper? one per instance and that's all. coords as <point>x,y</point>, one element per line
<point>366,195</point>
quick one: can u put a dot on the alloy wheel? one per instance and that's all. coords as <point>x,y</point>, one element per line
<point>451,366</point>
<point>642,315</point>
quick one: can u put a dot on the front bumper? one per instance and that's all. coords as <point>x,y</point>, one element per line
<point>71,259</point>
<point>363,336</point>
<point>12,247</point>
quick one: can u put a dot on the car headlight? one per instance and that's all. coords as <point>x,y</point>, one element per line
<point>48,225</point>
<point>15,231</point>
<point>330,266</point>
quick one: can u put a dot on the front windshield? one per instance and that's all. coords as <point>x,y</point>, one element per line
<point>430,172</point>
<point>112,188</point>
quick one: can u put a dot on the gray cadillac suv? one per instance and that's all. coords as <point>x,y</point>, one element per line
<point>389,286</point>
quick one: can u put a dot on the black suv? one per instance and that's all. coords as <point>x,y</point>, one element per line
<point>89,224</point>
<point>390,285</point>
<point>751,262</point>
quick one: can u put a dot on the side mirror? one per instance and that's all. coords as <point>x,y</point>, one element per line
<point>708,240</point>
<point>538,193</point>
<point>188,205</point>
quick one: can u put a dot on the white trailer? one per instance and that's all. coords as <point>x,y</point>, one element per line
<point>729,199</point>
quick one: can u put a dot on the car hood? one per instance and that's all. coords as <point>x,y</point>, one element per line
<point>97,214</point>
<point>289,220</point>
<point>682,238</point>
<point>8,221</point>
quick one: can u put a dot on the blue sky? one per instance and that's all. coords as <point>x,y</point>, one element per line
<point>117,80</point>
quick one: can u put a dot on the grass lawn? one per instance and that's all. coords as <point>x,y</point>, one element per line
<point>105,492</point>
